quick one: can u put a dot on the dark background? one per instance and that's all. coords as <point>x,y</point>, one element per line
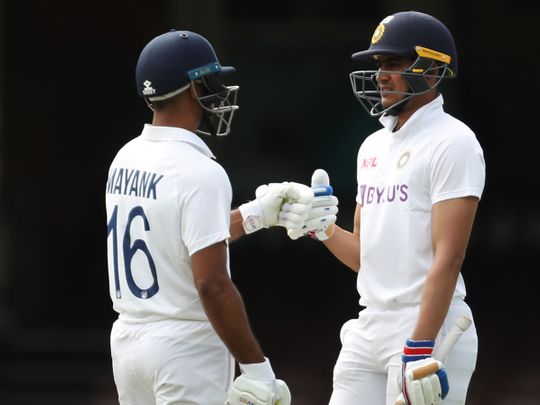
<point>68,102</point>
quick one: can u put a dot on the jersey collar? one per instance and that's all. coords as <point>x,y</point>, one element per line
<point>173,134</point>
<point>389,121</point>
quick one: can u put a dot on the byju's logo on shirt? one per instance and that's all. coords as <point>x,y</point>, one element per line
<point>380,195</point>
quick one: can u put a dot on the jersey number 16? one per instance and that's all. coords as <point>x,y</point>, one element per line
<point>129,250</point>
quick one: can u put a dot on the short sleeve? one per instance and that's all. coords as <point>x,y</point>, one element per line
<point>207,209</point>
<point>457,168</point>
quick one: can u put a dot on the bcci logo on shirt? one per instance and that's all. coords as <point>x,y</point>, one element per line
<point>403,159</point>
<point>148,89</point>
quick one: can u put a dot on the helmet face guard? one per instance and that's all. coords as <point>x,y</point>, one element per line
<point>367,92</point>
<point>219,105</point>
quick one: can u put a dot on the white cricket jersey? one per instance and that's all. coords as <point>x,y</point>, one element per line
<point>166,199</point>
<point>433,157</point>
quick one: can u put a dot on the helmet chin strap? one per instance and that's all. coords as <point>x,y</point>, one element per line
<point>397,109</point>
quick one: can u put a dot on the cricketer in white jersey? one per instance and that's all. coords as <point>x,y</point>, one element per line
<point>420,179</point>
<point>182,323</point>
<point>401,174</point>
<point>159,213</point>
<point>160,204</point>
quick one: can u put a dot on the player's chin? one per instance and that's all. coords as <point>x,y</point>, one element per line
<point>388,100</point>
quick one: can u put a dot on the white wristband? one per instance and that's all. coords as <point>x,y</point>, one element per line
<point>259,371</point>
<point>252,216</point>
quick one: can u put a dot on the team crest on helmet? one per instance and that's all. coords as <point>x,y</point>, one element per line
<point>377,35</point>
<point>379,31</point>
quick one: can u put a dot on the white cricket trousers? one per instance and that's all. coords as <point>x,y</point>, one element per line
<point>369,362</point>
<point>170,362</point>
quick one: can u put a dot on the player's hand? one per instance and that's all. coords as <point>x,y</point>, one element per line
<point>257,385</point>
<point>247,391</point>
<point>322,217</point>
<point>294,212</point>
<point>423,380</point>
<point>264,211</point>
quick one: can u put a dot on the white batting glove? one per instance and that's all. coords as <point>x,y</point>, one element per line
<point>266,209</point>
<point>321,218</point>
<point>294,212</point>
<point>263,211</point>
<point>423,380</point>
<point>257,385</point>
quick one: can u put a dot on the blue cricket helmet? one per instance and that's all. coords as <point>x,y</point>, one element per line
<point>171,60</point>
<point>413,34</point>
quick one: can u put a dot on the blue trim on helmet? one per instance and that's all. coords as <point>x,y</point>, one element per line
<point>204,70</point>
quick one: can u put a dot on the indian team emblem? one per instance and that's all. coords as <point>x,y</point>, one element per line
<point>379,31</point>
<point>403,159</point>
<point>377,35</point>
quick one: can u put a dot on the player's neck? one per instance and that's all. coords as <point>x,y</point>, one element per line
<point>180,115</point>
<point>182,111</point>
<point>177,121</point>
<point>414,104</point>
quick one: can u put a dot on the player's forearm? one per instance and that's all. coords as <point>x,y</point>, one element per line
<point>451,226</point>
<point>225,310</point>
<point>436,298</point>
<point>236,229</point>
<point>345,246</point>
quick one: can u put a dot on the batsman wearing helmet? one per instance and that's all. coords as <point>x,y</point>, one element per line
<point>181,322</point>
<point>420,178</point>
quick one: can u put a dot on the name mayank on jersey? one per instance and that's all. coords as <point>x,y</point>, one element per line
<point>133,182</point>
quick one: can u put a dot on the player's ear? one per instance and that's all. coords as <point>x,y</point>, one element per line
<point>196,89</point>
